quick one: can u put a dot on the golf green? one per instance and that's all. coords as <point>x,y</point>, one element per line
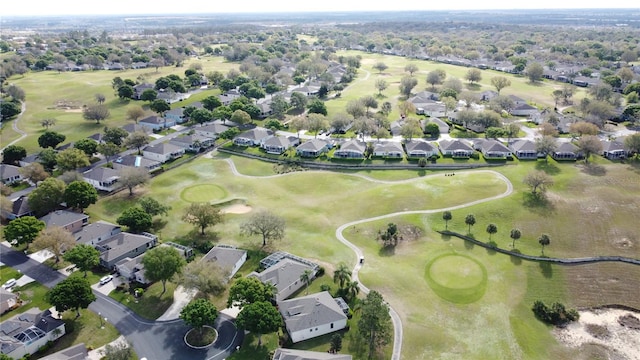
<point>203,193</point>
<point>457,278</point>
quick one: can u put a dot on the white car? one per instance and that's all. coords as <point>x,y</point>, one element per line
<point>105,279</point>
<point>9,284</point>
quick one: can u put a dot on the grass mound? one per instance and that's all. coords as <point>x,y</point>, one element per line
<point>203,193</point>
<point>457,278</point>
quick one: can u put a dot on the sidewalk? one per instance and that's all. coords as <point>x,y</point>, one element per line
<point>96,354</point>
<point>181,297</point>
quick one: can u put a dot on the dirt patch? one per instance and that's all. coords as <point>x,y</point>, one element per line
<point>237,209</point>
<point>629,321</point>
<point>602,327</point>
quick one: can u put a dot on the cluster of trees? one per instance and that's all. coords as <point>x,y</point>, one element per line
<point>557,314</point>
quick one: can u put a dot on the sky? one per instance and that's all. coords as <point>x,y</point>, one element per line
<point>84,7</point>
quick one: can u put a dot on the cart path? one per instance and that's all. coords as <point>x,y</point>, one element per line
<point>395,318</point>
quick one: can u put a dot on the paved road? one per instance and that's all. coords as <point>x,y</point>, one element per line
<point>151,339</point>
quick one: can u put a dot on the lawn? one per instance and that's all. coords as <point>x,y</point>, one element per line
<point>152,304</point>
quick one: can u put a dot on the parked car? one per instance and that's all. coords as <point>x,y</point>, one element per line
<point>9,284</point>
<point>105,279</point>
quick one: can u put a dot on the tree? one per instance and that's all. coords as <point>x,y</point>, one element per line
<point>114,135</point>
<point>46,123</point>
<point>47,158</point>
<point>407,83</point>
<point>306,277</point>
<point>84,256</point>
<point>50,139</point>
<point>352,289</point>
<point>436,77</point>
<point>446,216</point>
<point>583,128</point>
<point>515,235</point>
<point>317,123</point>
<point>124,92</point>
<point>342,275</point>
<point>198,313</point>
<point>538,180</point>
<point>298,101</point>
<point>632,142</point>
<point>470,220</point>
<point>261,318</point>
<point>211,102</point>
<point>135,219</point>
<point>500,82</point>
<point>317,106</point>
<point>204,276</point>
<point>131,177</point>
<point>473,75</point>
<point>134,113</point>
<point>9,109</point>
<point>335,343</point>
<point>15,92</point>
<point>161,264</point>
<point>88,146</point>
<point>97,112</point>
<point>203,215</point>
<point>137,140</point>
<point>23,230</point>
<point>380,66</point>
<point>381,85</point>
<point>265,223</point>
<point>374,325</point>
<point>589,145</point>
<point>149,95</point>
<point>55,239</point>
<point>546,145</point>
<point>249,290</point>
<point>279,105</point>
<point>72,159</point>
<point>356,108</point>
<point>34,172</point>
<point>240,117</point>
<point>108,150</point>
<point>12,154</point>
<point>48,196</point>
<point>72,293</point>
<point>411,69</point>
<point>79,195</point>
<point>159,106</point>
<point>534,72</point>
<point>491,229</point>
<point>153,207</point>
<point>544,240</point>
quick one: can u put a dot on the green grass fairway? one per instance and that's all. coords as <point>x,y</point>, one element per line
<point>203,193</point>
<point>457,278</point>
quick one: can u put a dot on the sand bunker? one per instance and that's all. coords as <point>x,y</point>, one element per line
<point>236,209</point>
<point>603,327</point>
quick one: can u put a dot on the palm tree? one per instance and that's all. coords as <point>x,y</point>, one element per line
<point>342,275</point>
<point>544,240</point>
<point>515,235</point>
<point>306,277</point>
<point>353,289</point>
<point>470,220</point>
<point>492,229</point>
<point>446,216</point>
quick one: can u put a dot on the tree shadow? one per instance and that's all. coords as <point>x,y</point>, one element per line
<point>491,250</point>
<point>538,203</point>
<point>515,260</point>
<point>472,86</point>
<point>422,172</point>
<point>387,251</point>
<point>158,224</point>
<point>594,169</point>
<point>445,237</point>
<point>469,245</point>
<point>546,269</point>
<point>549,168</point>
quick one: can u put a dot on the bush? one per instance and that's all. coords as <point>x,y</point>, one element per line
<point>557,314</point>
<point>475,156</point>
<point>320,271</point>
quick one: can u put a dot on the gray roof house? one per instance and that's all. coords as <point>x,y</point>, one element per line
<point>163,152</point>
<point>19,208</point>
<point>388,149</point>
<point>124,245</point>
<point>524,149</point>
<point>351,149</point>
<point>154,122</point>
<point>227,257</point>
<point>10,174</point>
<point>493,149</point>
<point>313,315</point>
<point>442,126</point>
<point>295,354</point>
<point>136,161</point>
<point>69,220</point>
<point>102,178</point>
<point>96,232</point>
<point>285,276</point>
<point>523,110</point>
<point>76,352</point>
<point>613,150</point>
<point>456,148</point>
<point>24,334</point>
<point>420,149</point>
<point>193,143</point>
<point>132,269</point>
<point>313,148</point>
<point>565,151</point>
<point>279,144</point>
<point>254,137</point>
<point>211,130</point>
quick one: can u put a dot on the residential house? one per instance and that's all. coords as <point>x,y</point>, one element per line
<point>613,150</point>
<point>185,251</point>
<point>136,161</point>
<point>163,152</point>
<point>175,115</point>
<point>488,95</point>
<point>493,149</point>
<point>19,208</point>
<point>420,149</point>
<point>98,137</point>
<point>313,148</point>
<point>455,148</point>
<point>432,109</point>
<point>29,159</point>
<point>279,144</point>
<point>24,334</point>
<point>10,174</point>
<point>265,109</point>
<point>517,100</point>
<point>295,354</point>
<point>139,65</point>
<point>124,245</point>
<point>192,143</point>
<point>523,110</point>
<point>307,90</point>
<point>565,151</point>
<point>8,300</point>
<point>68,220</point>
<point>131,128</point>
<point>351,149</point>
<point>253,137</point>
<point>154,122</point>
<point>228,258</point>
<point>229,96</point>
<point>102,178</point>
<point>212,131</point>
<point>284,273</point>
<point>96,232</point>
<point>140,88</point>
<point>524,149</point>
<point>443,127</point>
<point>388,149</point>
<point>76,352</point>
<point>311,316</point>
<point>132,269</point>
